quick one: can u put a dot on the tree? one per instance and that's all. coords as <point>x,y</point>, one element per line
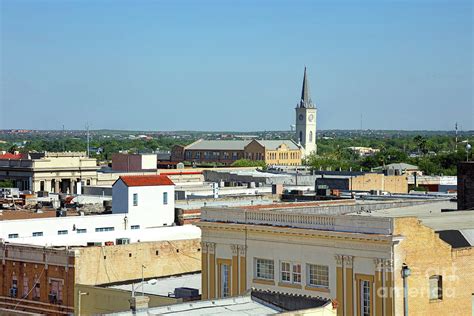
<point>249,163</point>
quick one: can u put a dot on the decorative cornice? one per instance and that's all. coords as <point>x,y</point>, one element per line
<point>349,261</point>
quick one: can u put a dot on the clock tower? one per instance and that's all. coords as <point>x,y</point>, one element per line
<point>306,119</point>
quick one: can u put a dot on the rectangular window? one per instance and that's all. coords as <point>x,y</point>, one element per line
<point>135,227</point>
<point>25,287</point>
<point>37,234</point>
<point>62,232</point>
<point>318,275</point>
<point>104,229</point>
<point>12,235</point>
<point>264,269</point>
<point>296,273</point>
<point>188,155</point>
<point>365,298</point>
<point>81,230</point>
<point>198,155</point>
<point>290,272</point>
<point>135,199</point>
<point>37,291</point>
<point>436,287</point>
<point>165,198</point>
<point>286,272</point>
<point>225,271</point>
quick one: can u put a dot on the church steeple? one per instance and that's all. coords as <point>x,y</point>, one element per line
<point>305,101</point>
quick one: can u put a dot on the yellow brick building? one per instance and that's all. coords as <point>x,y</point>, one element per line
<point>344,253</point>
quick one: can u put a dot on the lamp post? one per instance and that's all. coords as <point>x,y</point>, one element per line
<point>80,294</point>
<point>468,149</point>
<point>143,281</point>
<point>405,274</point>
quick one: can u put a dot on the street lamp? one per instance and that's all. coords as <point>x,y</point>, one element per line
<point>468,149</point>
<point>405,274</point>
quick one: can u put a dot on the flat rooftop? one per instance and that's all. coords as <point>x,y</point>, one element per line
<point>135,235</point>
<point>163,286</point>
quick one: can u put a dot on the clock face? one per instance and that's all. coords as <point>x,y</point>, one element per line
<point>301,117</point>
<point>310,117</point>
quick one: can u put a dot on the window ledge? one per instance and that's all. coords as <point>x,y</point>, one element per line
<point>436,300</point>
<point>316,288</point>
<point>263,281</point>
<point>290,285</point>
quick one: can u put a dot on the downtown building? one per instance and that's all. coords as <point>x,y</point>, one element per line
<point>353,253</point>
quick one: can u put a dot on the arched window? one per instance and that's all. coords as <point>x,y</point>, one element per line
<point>301,136</point>
<point>311,136</point>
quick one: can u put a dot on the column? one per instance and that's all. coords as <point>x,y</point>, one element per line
<point>339,285</point>
<point>71,186</point>
<point>204,272</point>
<point>211,248</point>
<point>348,263</point>
<point>47,185</point>
<point>235,270</point>
<point>243,269</point>
<point>56,185</point>
<point>378,287</point>
<point>389,296</point>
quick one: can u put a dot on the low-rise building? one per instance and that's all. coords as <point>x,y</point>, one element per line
<point>138,202</point>
<point>134,162</point>
<point>47,280</point>
<point>60,172</point>
<point>353,254</point>
<point>272,152</point>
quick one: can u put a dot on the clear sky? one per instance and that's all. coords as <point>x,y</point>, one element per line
<point>235,65</point>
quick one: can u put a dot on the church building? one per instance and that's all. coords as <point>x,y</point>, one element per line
<point>306,119</point>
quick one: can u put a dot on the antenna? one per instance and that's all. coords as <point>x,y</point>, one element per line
<point>88,139</point>
<point>361,121</point>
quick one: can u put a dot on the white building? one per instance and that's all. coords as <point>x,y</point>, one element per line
<point>138,202</point>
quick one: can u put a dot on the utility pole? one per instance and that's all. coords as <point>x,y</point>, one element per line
<point>456,141</point>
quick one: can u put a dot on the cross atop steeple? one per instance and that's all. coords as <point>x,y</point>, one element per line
<point>305,101</point>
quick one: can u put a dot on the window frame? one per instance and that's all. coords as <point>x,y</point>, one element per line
<point>320,283</point>
<point>37,234</point>
<point>165,198</point>
<point>14,235</point>
<point>439,287</point>
<point>258,268</point>
<point>135,199</point>
<point>291,272</point>
<point>63,232</point>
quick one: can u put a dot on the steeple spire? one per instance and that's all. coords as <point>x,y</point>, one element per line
<point>306,101</point>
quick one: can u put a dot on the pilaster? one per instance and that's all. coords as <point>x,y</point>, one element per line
<point>339,285</point>
<point>204,271</point>
<point>235,270</point>
<point>211,249</point>
<point>243,268</point>
<point>379,286</point>
<point>348,263</point>
<point>389,296</point>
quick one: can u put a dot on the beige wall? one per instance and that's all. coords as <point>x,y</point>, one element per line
<point>378,181</point>
<point>427,255</point>
<point>107,264</point>
<point>106,300</point>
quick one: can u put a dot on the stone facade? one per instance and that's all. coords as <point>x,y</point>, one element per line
<point>53,172</point>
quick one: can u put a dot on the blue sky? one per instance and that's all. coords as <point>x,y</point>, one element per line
<point>235,65</point>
